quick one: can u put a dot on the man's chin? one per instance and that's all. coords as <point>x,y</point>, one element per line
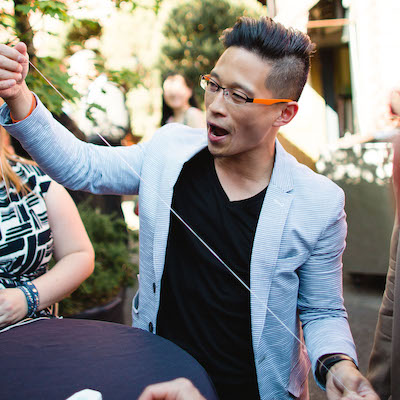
<point>215,151</point>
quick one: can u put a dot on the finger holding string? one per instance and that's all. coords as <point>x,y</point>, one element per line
<point>23,88</point>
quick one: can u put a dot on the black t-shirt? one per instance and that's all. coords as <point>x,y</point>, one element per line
<point>204,309</point>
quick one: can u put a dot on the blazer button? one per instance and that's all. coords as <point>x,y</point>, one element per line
<point>154,287</point>
<point>151,327</point>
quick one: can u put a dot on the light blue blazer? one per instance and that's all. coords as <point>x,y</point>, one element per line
<point>296,262</point>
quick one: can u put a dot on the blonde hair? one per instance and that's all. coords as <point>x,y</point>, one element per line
<point>9,177</point>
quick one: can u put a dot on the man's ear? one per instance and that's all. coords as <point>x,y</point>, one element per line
<point>287,114</point>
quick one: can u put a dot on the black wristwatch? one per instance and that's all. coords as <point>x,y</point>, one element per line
<point>326,362</point>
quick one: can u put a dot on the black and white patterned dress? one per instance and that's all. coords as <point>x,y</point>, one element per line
<point>26,241</point>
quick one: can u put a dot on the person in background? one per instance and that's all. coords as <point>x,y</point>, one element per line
<point>102,110</point>
<point>389,134</point>
<point>179,103</point>
<point>38,220</point>
<point>272,223</point>
<point>384,364</point>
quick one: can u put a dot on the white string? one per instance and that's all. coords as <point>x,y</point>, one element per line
<point>197,236</point>
<point>24,322</point>
<point>48,81</point>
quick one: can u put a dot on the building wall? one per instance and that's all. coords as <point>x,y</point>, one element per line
<point>374,65</point>
<point>308,130</point>
<point>375,59</point>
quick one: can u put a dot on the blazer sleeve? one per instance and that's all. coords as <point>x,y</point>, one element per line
<point>73,163</point>
<point>320,299</point>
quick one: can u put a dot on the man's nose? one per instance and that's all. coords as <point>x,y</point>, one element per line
<point>218,103</point>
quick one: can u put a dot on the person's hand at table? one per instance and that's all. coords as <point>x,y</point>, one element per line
<point>344,381</point>
<point>13,306</point>
<point>178,389</point>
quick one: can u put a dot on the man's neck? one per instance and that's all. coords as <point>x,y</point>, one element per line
<point>244,178</point>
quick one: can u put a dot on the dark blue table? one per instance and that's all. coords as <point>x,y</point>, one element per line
<point>52,359</point>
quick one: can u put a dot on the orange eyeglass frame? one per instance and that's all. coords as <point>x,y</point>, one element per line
<point>267,102</point>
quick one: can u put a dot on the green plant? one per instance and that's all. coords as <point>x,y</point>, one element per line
<point>17,26</point>
<point>80,31</point>
<point>50,67</point>
<point>15,21</point>
<point>114,269</point>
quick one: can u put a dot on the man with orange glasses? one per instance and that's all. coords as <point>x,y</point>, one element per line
<point>240,245</point>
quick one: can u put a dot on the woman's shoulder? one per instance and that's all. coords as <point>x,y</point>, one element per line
<point>194,111</point>
<point>195,118</point>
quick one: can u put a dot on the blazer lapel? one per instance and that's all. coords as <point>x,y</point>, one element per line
<point>170,175</point>
<point>267,241</point>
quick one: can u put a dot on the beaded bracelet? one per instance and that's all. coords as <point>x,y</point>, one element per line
<point>32,297</point>
<point>34,292</point>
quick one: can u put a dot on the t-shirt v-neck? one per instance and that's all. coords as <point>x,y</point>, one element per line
<point>203,308</point>
<point>235,203</point>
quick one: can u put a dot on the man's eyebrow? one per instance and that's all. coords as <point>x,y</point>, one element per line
<point>235,85</point>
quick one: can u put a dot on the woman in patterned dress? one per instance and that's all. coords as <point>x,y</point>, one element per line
<point>38,220</point>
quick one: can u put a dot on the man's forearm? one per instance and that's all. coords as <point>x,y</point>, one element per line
<point>21,105</point>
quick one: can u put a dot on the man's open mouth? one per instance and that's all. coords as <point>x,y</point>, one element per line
<point>216,130</point>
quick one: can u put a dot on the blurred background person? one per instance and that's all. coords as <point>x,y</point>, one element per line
<point>384,364</point>
<point>38,220</point>
<point>389,134</point>
<point>179,103</point>
<point>101,111</point>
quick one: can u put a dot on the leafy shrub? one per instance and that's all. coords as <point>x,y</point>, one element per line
<point>114,269</point>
